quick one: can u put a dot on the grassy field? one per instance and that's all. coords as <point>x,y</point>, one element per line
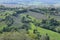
<point>2,25</point>
<point>53,35</point>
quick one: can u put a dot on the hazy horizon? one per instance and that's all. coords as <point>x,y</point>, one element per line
<point>30,1</point>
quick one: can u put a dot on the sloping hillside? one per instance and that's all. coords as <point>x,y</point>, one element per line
<point>35,25</point>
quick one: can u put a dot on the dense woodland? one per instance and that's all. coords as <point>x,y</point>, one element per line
<point>29,23</point>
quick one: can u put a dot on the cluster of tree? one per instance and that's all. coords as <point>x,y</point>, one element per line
<point>50,11</point>
<point>50,24</point>
<point>27,26</point>
<point>17,12</point>
<point>9,20</point>
<point>40,37</point>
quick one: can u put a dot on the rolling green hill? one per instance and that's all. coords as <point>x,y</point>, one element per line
<point>52,35</point>
<point>33,25</point>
